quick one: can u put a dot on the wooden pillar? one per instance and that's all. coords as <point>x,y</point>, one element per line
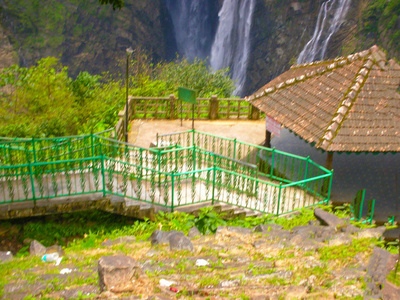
<point>172,107</point>
<point>267,142</point>
<point>213,113</point>
<point>329,159</point>
<point>255,113</point>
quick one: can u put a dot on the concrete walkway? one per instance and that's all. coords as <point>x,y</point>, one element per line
<point>143,132</point>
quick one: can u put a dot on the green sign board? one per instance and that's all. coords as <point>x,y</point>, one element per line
<point>187,95</point>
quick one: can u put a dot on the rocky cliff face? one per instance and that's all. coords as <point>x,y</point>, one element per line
<point>84,34</point>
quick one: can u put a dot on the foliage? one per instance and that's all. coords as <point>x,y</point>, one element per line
<point>381,20</point>
<point>302,218</point>
<point>209,220</point>
<point>43,101</point>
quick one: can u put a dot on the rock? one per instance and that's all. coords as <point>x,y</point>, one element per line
<point>194,232</point>
<point>371,232</point>
<point>379,266</point>
<point>118,273</point>
<point>327,218</point>
<point>267,228</point>
<point>340,239</point>
<point>120,240</point>
<point>5,256</point>
<point>178,241</point>
<point>159,237</point>
<point>391,234</point>
<point>295,292</point>
<point>232,230</point>
<point>55,248</point>
<point>37,248</point>
<point>349,228</point>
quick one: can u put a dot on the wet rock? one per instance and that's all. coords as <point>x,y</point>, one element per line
<point>5,256</point>
<point>194,232</point>
<point>118,273</point>
<point>267,227</point>
<point>37,248</point>
<point>327,218</point>
<point>178,241</point>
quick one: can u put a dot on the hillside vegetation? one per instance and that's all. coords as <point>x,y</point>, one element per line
<point>44,101</point>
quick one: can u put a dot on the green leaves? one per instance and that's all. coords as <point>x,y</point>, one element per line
<point>209,220</point>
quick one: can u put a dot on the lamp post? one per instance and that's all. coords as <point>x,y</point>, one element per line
<point>129,51</point>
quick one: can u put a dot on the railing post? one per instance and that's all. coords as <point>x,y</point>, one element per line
<point>213,191</point>
<point>172,107</point>
<point>272,161</point>
<point>214,106</point>
<point>32,183</point>
<point>254,113</point>
<point>306,171</point>
<point>34,150</point>
<point>234,148</point>
<point>279,198</point>
<point>172,191</point>
<point>103,175</point>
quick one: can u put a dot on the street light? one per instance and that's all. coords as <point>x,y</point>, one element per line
<point>129,51</point>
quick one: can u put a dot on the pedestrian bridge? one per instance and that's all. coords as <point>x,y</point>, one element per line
<point>65,174</point>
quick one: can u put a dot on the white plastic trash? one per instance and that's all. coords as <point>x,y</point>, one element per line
<point>202,263</point>
<point>65,271</point>
<point>167,283</point>
<point>50,257</point>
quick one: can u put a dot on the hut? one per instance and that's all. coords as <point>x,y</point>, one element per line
<point>346,105</point>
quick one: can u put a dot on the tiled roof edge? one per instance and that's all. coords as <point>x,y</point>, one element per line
<point>376,56</point>
<point>337,62</point>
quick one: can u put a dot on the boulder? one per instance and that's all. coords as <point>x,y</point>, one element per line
<point>327,218</point>
<point>37,248</point>
<point>194,232</point>
<point>55,248</point>
<point>178,241</point>
<point>118,273</point>
<point>159,237</point>
<point>5,256</point>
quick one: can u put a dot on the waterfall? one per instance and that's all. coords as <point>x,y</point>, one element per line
<point>194,24</point>
<point>330,16</point>
<point>231,45</point>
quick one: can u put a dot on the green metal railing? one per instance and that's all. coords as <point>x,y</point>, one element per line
<point>187,168</point>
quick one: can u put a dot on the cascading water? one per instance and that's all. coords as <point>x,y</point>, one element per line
<point>331,15</point>
<point>231,45</point>
<point>194,24</point>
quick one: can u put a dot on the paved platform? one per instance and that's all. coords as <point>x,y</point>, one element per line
<point>143,132</point>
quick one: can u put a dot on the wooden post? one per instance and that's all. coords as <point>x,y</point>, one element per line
<point>267,142</point>
<point>254,113</point>
<point>213,112</point>
<point>329,159</point>
<point>172,107</point>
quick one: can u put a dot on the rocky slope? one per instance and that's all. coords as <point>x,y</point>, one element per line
<point>326,259</point>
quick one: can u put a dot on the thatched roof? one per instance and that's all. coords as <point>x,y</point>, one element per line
<point>349,104</point>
